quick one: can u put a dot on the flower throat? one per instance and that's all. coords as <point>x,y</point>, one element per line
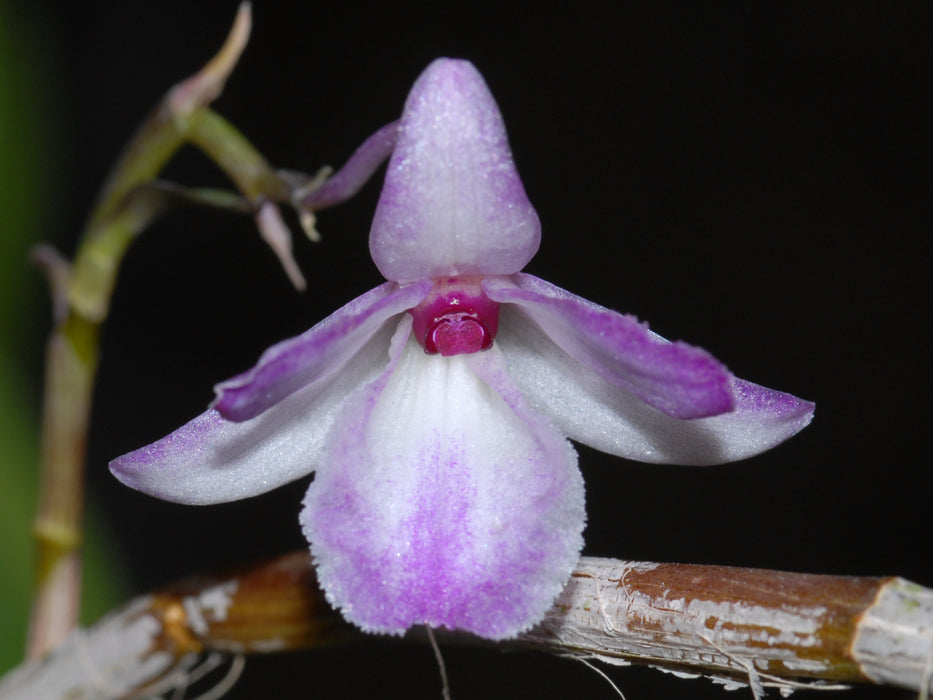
<point>456,318</point>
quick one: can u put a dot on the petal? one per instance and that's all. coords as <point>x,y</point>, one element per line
<point>213,460</point>
<point>452,203</point>
<point>591,410</point>
<point>316,355</point>
<point>351,177</point>
<point>679,379</point>
<point>277,236</point>
<point>443,500</point>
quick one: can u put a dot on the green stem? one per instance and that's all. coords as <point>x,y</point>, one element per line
<point>128,203</point>
<point>237,157</point>
<point>71,366</point>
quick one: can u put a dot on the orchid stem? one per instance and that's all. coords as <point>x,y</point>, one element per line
<point>737,626</point>
<point>71,359</point>
<point>129,201</point>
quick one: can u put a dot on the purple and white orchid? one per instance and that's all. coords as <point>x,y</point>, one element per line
<point>435,410</point>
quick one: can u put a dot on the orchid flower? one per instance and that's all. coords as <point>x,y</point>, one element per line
<point>435,409</point>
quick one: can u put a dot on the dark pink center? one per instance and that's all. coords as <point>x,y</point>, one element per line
<point>457,334</point>
<point>456,318</point>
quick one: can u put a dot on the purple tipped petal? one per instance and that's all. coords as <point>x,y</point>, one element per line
<point>347,181</point>
<point>590,410</point>
<point>681,380</point>
<point>467,513</point>
<point>316,355</point>
<point>213,460</point>
<point>452,203</point>
<point>270,423</point>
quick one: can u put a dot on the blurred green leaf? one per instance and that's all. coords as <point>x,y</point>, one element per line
<point>26,119</point>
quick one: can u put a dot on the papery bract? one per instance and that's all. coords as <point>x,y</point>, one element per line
<point>435,409</point>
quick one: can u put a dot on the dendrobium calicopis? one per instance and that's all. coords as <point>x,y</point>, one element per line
<point>435,409</point>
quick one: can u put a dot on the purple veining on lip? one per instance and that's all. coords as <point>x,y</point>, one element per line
<point>461,528</point>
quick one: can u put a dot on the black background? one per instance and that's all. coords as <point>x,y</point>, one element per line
<point>750,178</point>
